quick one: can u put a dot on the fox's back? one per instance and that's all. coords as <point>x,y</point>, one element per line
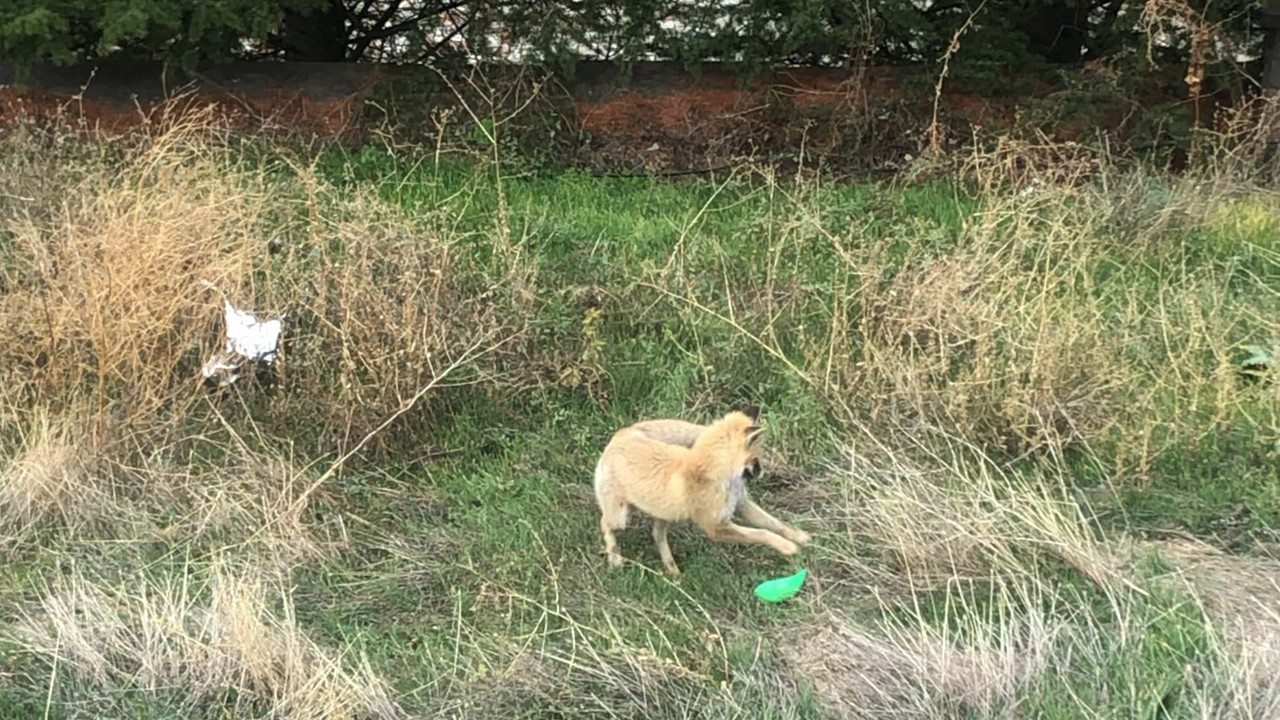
<point>674,432</point>
<point>645,472</point>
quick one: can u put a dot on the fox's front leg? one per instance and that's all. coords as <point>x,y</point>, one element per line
<point>755,515</point>
<point>728,531</point>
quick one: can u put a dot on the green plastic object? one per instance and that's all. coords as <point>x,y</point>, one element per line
<point>783,588</point>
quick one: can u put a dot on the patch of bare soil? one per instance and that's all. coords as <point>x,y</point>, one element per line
<point>292,111</point>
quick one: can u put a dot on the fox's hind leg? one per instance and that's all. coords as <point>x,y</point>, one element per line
<point>660,528</point>
<point>613,515</point>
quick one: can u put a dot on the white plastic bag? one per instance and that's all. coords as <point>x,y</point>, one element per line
<point>249,339</point>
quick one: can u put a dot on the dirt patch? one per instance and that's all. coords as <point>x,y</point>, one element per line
<point>711,100</point>
<point>119,96</point>
<point>655,117</point>
<point>291,111</point>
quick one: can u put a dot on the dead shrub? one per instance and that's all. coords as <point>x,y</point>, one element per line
<point>384,308</point>
<point>105,298</point>
<point>101,297</point>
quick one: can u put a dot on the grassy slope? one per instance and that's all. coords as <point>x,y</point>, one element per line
<point>472,583</point>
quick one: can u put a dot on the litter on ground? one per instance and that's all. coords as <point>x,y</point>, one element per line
<point>249,339</point>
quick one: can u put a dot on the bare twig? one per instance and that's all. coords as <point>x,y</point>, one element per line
<point>935,137</point>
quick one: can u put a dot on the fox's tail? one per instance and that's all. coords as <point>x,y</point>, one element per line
<point>601,475</point>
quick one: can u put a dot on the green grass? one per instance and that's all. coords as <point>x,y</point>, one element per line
<point>462,559</point>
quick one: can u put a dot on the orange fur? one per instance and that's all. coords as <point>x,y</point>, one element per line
<point>676,471</point>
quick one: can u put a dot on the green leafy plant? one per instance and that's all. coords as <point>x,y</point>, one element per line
<point>1261,360</point>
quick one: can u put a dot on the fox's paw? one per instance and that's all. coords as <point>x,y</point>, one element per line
<point>786,547</point>
<point>615,560</point>
<point>671,570</point>
<point>800,537</point>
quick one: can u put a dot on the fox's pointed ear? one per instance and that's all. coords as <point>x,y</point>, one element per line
<point>751,411</point>
<point>754,433</point>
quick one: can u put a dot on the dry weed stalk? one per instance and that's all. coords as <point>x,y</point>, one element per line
<point>1243,145</point>
<point>935,134</point>
<point>1208,43</point>
<point>1169,17</point>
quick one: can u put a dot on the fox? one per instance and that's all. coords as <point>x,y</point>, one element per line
<point>677,471</point>
<point>684,433</point>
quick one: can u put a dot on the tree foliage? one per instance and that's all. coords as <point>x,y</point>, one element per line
<point>178,30</point>
<point>1003,34</point>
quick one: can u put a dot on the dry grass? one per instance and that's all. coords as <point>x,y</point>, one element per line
<point>622,682</point>
<point>54,474</point>
<point>114,444</point>
<point>950,360</point>
<point>941,519</point>
<point>252,503</point>
<point>1239,597</point>
<point>918,671</point>
<point>978,617</point>
<point>573,662</point>
<point>940,511</point>
<point>196,639</point>
<point>1068,318</point>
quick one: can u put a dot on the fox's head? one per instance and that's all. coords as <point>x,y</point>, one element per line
<point>735,440</point>
<point>752,469</point>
